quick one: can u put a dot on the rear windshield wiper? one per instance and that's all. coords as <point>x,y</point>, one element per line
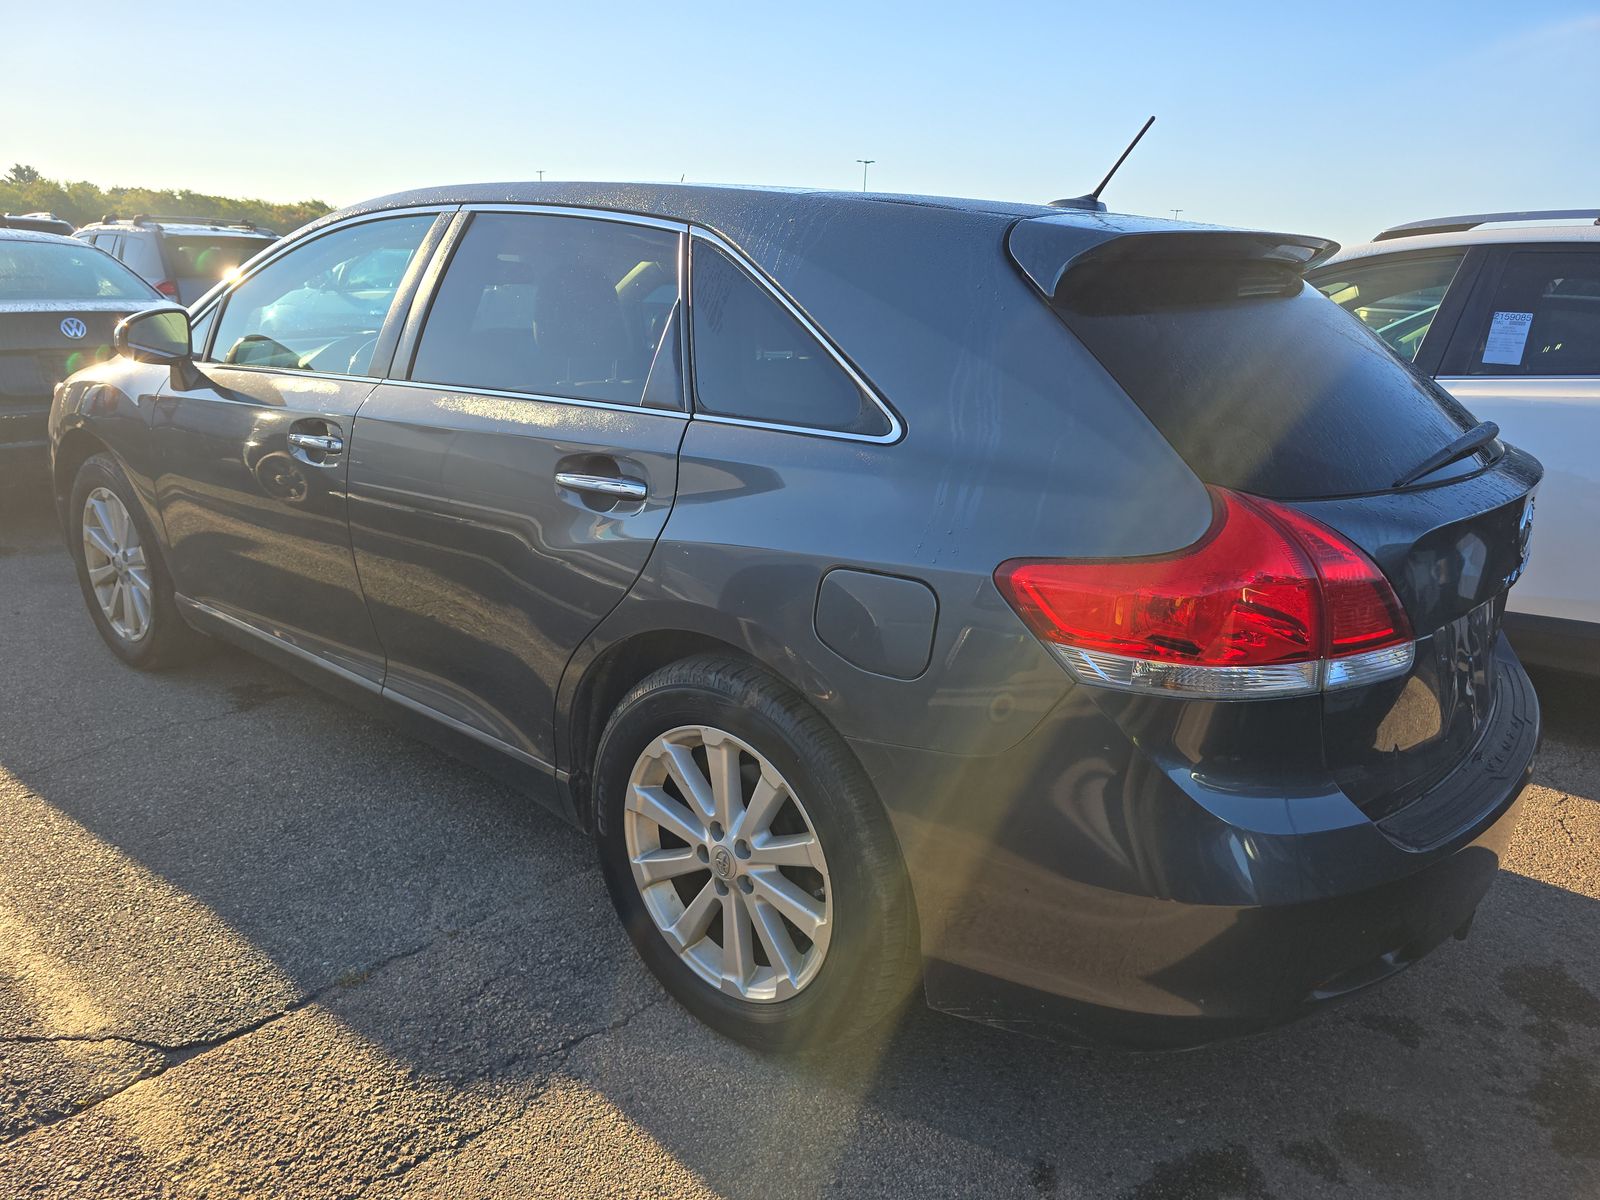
<point>1476,438</point>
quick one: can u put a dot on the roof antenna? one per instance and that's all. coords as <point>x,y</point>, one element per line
<point>1092,202</point>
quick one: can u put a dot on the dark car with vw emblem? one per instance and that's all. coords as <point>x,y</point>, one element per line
<point>59,302</point>
<point>1075,615</point>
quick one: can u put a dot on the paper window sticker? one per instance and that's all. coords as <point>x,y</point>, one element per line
<point>1508,334</point>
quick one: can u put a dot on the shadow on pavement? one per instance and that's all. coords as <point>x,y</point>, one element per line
<point>220,850</point>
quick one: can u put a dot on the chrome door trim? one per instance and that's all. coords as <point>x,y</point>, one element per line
<point>896,426</point>
<point>280,643</point>
<point>488,739</point>
<point>369,685</point>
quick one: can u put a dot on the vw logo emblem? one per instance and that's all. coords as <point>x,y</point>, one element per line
<point>73,328</point>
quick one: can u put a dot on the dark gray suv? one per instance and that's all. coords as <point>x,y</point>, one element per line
<point>1071,612</point>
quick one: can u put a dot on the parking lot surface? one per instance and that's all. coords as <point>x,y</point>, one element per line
<point>256,944</point>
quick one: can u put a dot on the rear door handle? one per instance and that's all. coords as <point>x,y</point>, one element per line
<point>617,487</point>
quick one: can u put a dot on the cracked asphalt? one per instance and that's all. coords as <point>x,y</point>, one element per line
<point>254,944</point>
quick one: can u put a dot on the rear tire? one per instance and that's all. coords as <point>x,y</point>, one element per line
<point>811,937</point>
<point>121,571</point>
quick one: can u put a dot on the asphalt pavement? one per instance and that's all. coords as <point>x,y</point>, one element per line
<point>256,944</point>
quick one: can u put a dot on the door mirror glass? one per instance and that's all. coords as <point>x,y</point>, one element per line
<point>158,336</point>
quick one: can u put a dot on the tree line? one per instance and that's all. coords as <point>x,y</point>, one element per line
<point>23,189</point>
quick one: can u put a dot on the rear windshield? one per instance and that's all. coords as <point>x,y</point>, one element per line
<point>62,271</point>
<point>210,258</point>
<point>1261,383</point>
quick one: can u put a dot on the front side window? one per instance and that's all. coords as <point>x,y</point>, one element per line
<point>32,270</point>
<point>555,306</point>
<point>320,306</point>
<point>1397,300</point>
<point>1543,318</point>
<point>753,360</point>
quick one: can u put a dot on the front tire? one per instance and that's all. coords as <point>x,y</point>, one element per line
<point>121,571</point>
<point>749,859</point>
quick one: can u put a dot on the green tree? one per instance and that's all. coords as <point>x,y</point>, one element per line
<point>24,190</point>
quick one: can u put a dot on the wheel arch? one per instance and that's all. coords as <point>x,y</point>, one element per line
<point>592,690</point>
<point>76,446</point>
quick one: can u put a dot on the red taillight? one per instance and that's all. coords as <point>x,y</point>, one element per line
<point>1268,603</point>
<point>167,288</point>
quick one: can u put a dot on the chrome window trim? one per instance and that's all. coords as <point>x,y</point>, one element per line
<point>594,214</point>
<point>896,426</point>
<point>292,372</point>
<point>446,389</point>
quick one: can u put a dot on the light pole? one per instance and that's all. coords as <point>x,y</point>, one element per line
<point>541,176</point>
<point>865,163</point>
<point>1175,213</point>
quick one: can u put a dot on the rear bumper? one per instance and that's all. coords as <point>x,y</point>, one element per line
<point>1077,889</point>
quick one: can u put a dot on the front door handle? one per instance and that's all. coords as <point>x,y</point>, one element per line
<point>316,448</point>
<point>614,486</point>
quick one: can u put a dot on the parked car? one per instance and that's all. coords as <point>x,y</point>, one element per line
<point>1013,597</point>
<point>59,302</point>
<point>1503,309</point>
<point>184,257</point>
<point>38,222</point>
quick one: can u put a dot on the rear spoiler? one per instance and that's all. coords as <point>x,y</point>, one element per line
<point>1050,249</point>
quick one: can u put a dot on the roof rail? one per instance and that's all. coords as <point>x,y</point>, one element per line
<point>214,222</point>
<point>1457,224</point>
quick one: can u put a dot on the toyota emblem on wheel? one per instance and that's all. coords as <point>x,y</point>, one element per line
<point>722,863</point>
<point>73,328</point>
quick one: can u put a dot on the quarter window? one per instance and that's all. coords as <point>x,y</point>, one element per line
<point>557,306</point>
<point>753,360</point>
<point>1543,318</point>
<point>320,306</point>
<point>1397,300</point>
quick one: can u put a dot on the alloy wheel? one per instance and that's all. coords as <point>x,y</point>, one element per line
<point>116,563</point>
<point>728,863</point>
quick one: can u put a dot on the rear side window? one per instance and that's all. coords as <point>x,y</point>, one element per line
<point>1542,318</point>
<point>555,306</point>
<point>1265,386</point>
<point>1397,298</point>
<point>753,360</point>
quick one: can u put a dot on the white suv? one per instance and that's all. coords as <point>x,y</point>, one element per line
<point>1503,310</point>
<point>183,257</point>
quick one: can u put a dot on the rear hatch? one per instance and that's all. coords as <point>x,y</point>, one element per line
<point>1266,387</point>
<point>198,262</point>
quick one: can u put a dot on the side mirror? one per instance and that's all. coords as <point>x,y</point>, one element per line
<point>160,335</point>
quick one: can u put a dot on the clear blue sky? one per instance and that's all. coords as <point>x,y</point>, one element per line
<point>1326,118</point>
